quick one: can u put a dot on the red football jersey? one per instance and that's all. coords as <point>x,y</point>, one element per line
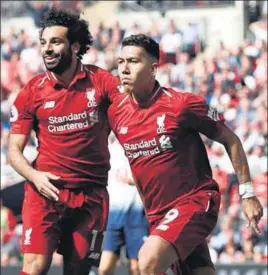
<point>162,142</point>
<point>70,123</point>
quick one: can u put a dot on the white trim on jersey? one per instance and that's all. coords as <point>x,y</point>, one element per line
<point>54,77</point>
<point>167,93</point>
<point>123,100</point>
<point>47,75</point>
<point>157,91</point>
<point>42,81</point>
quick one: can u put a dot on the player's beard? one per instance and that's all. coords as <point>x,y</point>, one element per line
<point>62,62</point>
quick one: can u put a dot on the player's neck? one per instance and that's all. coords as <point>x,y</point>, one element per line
<point>142,97</point>
<point>66,77</point>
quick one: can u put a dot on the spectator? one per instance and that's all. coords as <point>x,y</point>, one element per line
<point>231,254</point>
<point>171,42</point>
<point>190,40</point>
<point>9,239</point>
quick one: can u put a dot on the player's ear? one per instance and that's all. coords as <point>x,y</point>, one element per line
<point>154,69</point>
<point>75,47</point>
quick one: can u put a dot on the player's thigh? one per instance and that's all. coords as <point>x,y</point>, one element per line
<point>36,264</point>
<point>188,224</point>
<point>156,255</point>
<point>41,230</point>
<point>134,238</point>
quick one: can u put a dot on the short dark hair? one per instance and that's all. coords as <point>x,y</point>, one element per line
<point>144,41</point>
<point>77,28</point>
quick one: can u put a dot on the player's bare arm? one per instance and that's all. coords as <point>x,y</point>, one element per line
<point>17,160</point>
<point>251,206</point>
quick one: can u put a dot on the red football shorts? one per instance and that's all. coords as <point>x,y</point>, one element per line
<point>74,225</point>
<point>186,226</point>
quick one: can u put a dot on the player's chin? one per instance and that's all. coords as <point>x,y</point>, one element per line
<point>51,63</point>
<point>50,66</point>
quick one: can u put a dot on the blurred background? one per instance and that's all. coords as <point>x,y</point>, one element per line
<point>217,49</point>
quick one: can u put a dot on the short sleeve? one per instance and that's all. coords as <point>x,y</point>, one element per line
<point>110,85</point>
<point>198,115</point>
<point>21,117</point>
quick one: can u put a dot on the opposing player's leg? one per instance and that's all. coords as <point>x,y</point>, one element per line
<point>135,237</point>
<point>40,232</point>
<point>113,241</point>
<point>133,267</point>
<point>108,263</point>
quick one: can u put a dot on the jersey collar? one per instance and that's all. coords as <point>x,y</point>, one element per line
<point>153,97</point>
<point>79,74</point>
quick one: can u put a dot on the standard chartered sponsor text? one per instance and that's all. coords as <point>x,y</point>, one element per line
<point>70,117</point>
<point>81,119</point>
<point>68,126</point>
<point>150,145</point>
<point>140,145</point>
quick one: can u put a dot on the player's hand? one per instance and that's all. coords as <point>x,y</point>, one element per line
<point>44,186</point>
<point>253,212</point>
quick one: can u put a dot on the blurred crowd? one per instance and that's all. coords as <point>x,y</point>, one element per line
<point>232,79</point>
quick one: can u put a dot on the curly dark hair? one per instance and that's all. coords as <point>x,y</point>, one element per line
<point>144,41</point>
<point>77,28</point>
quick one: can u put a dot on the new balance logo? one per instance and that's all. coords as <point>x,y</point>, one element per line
<point>49,105</point>
<point>123,130</point>
<point>94,256</point>
<point>27,240</point>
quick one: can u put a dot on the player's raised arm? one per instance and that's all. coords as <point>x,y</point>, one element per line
<point>206,120</point>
